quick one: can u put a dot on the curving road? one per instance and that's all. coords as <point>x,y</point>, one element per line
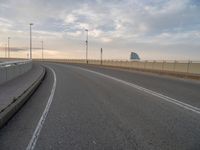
<point>90,107</point>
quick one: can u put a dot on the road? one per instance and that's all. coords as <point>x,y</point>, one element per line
<point>89,107</point>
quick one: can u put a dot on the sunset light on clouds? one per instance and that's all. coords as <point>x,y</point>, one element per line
<point>155,29</point>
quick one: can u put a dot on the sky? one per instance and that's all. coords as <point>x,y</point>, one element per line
<point>155,29</point>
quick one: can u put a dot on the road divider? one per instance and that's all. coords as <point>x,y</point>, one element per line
<point>15,103</point>
<point>12,69</point>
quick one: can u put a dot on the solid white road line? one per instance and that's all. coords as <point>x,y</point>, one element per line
<point>166,98</point>
<point>36,133</point>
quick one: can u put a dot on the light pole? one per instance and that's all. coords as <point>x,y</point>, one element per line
<point>31,40</point>
<point>42,42</point>
<point>8,47</point>
<point>86,46</point>
<point>5,50</point>
<point>101,55</point>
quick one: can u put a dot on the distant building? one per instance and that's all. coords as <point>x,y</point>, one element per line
<point>134,56</point>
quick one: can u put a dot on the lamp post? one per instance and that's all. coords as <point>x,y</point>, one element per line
<point>5,50</point>
<point>42,42</point>
<point>31,40</point>
<point>8,47</point>
<point>101,55</point>
<point>86,46</point>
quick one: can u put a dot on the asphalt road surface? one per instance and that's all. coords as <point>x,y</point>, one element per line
<point>79,107</point>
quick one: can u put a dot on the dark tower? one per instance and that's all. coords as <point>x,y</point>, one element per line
<point>134,56</point>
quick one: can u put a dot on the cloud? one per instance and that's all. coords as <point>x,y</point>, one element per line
<point>70,19</point>
<point>122,23</point>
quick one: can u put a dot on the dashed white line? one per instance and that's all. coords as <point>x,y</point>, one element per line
<point>36,133</point>
<point>164,97</point>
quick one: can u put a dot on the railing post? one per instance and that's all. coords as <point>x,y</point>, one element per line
<point>188,66</point>
<point>163,65</point>
<point>174,65</point>
<point>145,64</point>
<point>153,65</point>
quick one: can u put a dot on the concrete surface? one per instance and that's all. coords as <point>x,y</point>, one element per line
<point>93,112</point>
<point>181,67</point>
<point>15,92</point>
<point>12,69</point>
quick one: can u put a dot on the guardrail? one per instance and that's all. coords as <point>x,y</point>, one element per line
<point>12,69</point>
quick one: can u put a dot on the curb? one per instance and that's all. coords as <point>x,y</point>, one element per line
<point>12,109</point>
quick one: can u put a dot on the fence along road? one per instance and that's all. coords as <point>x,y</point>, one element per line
<point>183,67</point>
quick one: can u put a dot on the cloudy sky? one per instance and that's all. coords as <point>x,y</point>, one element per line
<point>155,29</point>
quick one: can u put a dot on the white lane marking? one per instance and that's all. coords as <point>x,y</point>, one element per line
<point>36,133</point>
<point>164,97</point>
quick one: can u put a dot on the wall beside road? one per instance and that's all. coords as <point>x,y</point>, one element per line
<point>182,67</point>
<point>11,69</point>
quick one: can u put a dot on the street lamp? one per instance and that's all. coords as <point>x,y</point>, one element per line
<point>5,50</point>
<point>8,47</point>
<point>86,46</point>
<point>101,55</point>
<point>31,40</point>
<point>42,42</point>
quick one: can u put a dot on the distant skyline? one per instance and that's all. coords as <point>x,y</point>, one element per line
<point>155,29</point>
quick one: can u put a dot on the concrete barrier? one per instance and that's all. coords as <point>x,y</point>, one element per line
<point>12,69</point>
<point>180,67</point>
<point>20,100</point>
